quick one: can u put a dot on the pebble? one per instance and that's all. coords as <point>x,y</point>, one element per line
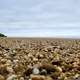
<point>58,60</point>
<point>9,62</point>
<point>14,51</point>
<point>0,52</point>
<point>59,69</point>
<point>40,77</point>
<point>9,69</point>
<point>15,61</point>
<point>3,60</point>
<point>2,77</point>
<point>35,71</point>
<point>12,77</point>
<point>35,59</point>
<point>43,72</point>
<point>76,76</point>
<point>21,78</point>
<point>37,77</point>
<point>41,56</point>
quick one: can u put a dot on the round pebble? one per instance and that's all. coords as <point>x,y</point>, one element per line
<point>35,71</point>
<point>43,72</point>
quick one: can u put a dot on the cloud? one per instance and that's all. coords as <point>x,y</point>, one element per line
<point>39,16</point>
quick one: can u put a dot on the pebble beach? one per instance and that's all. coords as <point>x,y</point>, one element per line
<point>39,59</point>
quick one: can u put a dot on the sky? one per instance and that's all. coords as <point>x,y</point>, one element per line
<point>40,18</point>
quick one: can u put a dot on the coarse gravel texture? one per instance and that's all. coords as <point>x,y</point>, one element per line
<point>39,59</point>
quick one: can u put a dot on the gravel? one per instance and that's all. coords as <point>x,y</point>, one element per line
<point>39,59</point>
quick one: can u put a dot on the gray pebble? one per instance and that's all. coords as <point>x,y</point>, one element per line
<point>43,72</point>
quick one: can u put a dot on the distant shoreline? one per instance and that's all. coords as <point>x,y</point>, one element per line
<point>60,38</point>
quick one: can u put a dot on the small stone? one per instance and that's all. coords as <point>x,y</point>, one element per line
<point>35,71</point>
<point>48,67</point>
<point>2,77</point>
<point>12,77</point>
<point>0,52</point>
<point>35,59</point>
<point>48,78</point>
<point>41,56</point>
<point>9,69</point>
<point>14,51</point>
<point>9,62</point>
<point>59,69</point>
<point>40,77</point>
<point>37,77</point>
<point>62,77</point>
<point>3,70</point>
<point>43,72</point>
<point>76,76</point>
<point>21,78</point>
<point>30,55</point>
<point>3,60</point>
<point>15,61</point>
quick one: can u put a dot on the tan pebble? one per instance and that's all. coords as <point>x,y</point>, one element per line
<point>48,78</point>
<point>62,76</point>
<point>9,61</point>
<point>14,51</point>
<point>2,77</point>
<point>41,56</point>
<point>12,77</point>
<point>45,49</point>
<point>21,78</point>
<point>3,69</point>
<point>40,77</point>
<point>9,69</point>
<point>6,55</point>
<point>76,76</point>
<point>8,64</point>
<point>0,52</point>
<point>37,65</point>
<point>37,77</point>
<point>0,57</point>
<point>59,69</point>
<point>15,61</point>
<point>35,59</point>
<point>3,60</point>
<point>74,64</point>
<point>30,55</point>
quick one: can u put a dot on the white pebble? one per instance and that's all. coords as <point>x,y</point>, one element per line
<point>21,78</point>
<point>35,71</point>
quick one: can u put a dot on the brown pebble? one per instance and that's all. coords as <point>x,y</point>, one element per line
<point>39,77</point>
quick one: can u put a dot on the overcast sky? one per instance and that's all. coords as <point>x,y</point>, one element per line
<point>49,18</point>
